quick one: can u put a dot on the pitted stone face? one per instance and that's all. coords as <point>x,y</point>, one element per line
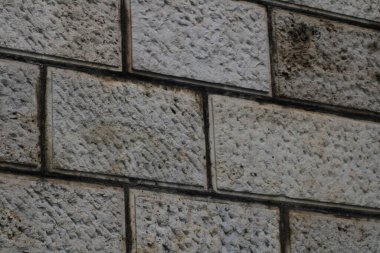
<point>275,150</point>
<point>218,41</point>
<point>55,216</point>
<point>132,129</point>
<point>315,232</point>
<point>174,223</point>
<point>18,113</point>
<point>326,61</point>
<point>84,30</point>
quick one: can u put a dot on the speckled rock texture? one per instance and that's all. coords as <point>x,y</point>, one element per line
<point>313,232</point>
<point>54,216</point>
<point>174,223</point>
<point>368,9</point>
<point>269,149</point>
<point>130,129</point>
<point>326,61</point>
<point>218,41</point>
<point>85,30</point>
<point>18,113</point>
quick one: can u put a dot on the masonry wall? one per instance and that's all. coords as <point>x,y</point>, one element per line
<point>190,126</point>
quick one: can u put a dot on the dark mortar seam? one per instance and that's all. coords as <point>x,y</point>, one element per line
<point>206,127</point>
<point>284,229</point>
<point>272,50</point>
<point>128,221</point>
<point>123,36</point>
<point>42,107</point>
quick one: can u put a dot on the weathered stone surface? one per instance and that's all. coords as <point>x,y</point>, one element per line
<point>313,232</point>
<point>126,128</point>
<point>18,112</point>
<point>173,223</point>
<point>86,30</point>
<point>368,9</point>
<point>53,216</point>
<point>328,62</point>
<point>218,41</point>
<point>269,149</point>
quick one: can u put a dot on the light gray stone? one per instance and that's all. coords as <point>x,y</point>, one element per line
<point>368,9</point>
<point>327,62</point>
<point>85,30</point>
<point>132,129</point>
<point>218,41</point>
<point>174,223</point>
<point>18,113</point>
<point>270,149</point>
<point>313,232</point>
<point>55,216</point>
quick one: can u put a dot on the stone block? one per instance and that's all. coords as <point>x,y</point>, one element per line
<point>19,132</point>
<point>327,62</point>
<point>83,30</point>
<point>55,216</point>
<point>313,232</point>
<point>367,9</point>
<point>125,128</point>
<point>174,223</point>
<point>217,41</point>
<point>275,150</point>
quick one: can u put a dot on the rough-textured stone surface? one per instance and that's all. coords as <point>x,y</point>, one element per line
<point>125,128</point>
<point>269,149</point>
<point>18,112</point>
<point>172,223</point>
<point>53,216</point>
<point>313,232</point>
<point>368,9</point>
<point>87,30</point>
<point>218,41</point>
<point>327,62</point>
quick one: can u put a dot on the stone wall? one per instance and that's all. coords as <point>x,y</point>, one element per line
<point>189,126</point>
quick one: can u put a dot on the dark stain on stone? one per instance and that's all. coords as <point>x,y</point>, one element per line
<point>10,224</point>
<point>373,46</point>
<point>377,77</point>
<point>302,34</point>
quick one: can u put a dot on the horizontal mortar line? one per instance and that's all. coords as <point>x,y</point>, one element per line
<point>344,210</point>
<point>123,178</point>
<point>211,88</point>
<point>59,59</point>
<point>203,85</point>
<point>20,166</point>
<point>315,12</point>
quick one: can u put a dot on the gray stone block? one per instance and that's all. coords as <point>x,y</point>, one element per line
<point>83,30</point>
<point>18,113</point>
<point>132,129</point>
<point>270,149</point>
<point>174,223</point>
<point>368,9</point>
<point>313,232</point>
<point>55,216</point>
<point>218,41</point>
<point>327,62</point>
